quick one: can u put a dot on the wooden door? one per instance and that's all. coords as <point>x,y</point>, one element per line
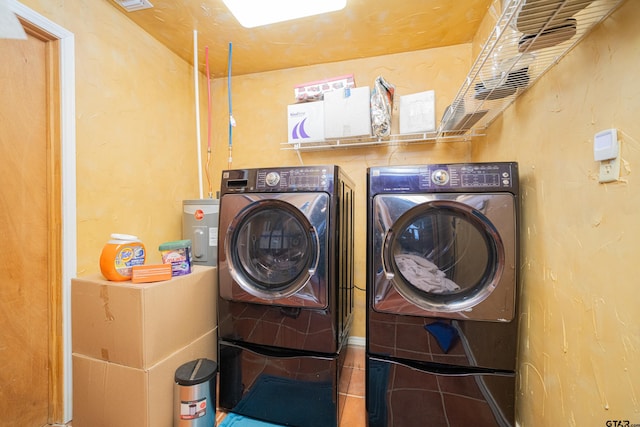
<point>30,284</point>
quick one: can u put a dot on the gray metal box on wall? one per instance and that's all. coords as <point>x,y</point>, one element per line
<point>200,225</point>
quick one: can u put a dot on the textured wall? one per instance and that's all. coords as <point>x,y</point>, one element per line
<point>135,129</point>
<point>580,334</point>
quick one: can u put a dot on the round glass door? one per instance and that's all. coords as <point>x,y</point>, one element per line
<point>443,256</point>
<point>272,249</point>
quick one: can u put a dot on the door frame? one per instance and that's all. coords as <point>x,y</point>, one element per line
<point>60,317</point>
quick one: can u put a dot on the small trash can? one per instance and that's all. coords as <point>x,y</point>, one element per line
<point>194,393</point>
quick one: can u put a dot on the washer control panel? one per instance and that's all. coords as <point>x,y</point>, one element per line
<point>469,176</point>
<point>500,176</point>
<point>285,179</point>
<point>294,179</point>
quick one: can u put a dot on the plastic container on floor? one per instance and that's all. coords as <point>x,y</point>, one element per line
<point>195,394</point>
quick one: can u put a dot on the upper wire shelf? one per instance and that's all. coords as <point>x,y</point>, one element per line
<point>529,37</point>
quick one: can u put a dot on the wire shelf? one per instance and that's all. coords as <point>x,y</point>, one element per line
<point>529,37</point>
<point>370,141</point>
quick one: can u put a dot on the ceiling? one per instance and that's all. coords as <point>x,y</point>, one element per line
<point>365,28</point>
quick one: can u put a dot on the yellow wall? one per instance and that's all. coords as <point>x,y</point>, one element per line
<point>580,327</point>
<point>135,129</point>
<point>580,341</point>
<point>260,110</point>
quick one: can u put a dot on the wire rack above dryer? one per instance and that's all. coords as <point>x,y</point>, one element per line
<point>529,37</point>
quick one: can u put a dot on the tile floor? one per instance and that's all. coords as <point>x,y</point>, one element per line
<point>351,390</point>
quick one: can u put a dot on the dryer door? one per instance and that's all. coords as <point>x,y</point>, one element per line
<point>273,248</point>
<point>445,255</point>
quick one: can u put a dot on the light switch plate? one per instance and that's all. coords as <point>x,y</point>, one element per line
<point>609,170</point>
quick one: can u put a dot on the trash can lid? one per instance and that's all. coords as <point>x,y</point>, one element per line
<point>196,372</point>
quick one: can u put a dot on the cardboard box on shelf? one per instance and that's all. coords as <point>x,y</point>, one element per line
<point>347,113</point>
<point>107,394</point>
<point>306,122</point>
<point>314,91</point>
<point>417,112</point>
<point>139,324</point>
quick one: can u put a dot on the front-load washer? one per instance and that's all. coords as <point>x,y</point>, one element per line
<point>442,265</point>
<point>285,278</point>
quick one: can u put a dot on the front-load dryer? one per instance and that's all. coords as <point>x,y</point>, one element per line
<point>275,249</point>
<point>442,294</point>
<point>285,278</point>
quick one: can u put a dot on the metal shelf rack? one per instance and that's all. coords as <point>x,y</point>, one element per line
<point>528,38</point>
<point>370,141</point>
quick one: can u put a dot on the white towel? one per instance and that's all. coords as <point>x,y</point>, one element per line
<point>424,275</point>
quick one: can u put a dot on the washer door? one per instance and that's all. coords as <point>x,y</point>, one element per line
<point>443,255</point>
<point>273,249</point>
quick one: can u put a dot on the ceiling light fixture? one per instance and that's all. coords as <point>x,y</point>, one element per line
<point>255,13</point>
<point>134,5</point>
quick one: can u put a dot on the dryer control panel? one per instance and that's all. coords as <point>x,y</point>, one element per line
<point>467,176</point>
<point>280,180</point>
<point>294,179</point>
<point>457,177</point>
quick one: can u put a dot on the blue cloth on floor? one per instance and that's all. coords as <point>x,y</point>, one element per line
<point>445,334</point>
<point>235,420</point>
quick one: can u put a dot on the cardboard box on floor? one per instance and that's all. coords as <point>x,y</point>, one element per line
<point>108,394</point>
<point>138,325</point>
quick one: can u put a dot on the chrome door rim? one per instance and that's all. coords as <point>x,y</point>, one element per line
<point>446,304</point>
<point>240,274</point>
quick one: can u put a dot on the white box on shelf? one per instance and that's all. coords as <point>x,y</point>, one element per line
<point>347,113</point>
<point>417,112</point>
<point>306,122</point>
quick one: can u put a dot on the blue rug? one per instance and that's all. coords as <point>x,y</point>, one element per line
<point>235,420</point>
<point>289,402</point>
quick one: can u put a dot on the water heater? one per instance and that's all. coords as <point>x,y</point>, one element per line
<point>200,225</point>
